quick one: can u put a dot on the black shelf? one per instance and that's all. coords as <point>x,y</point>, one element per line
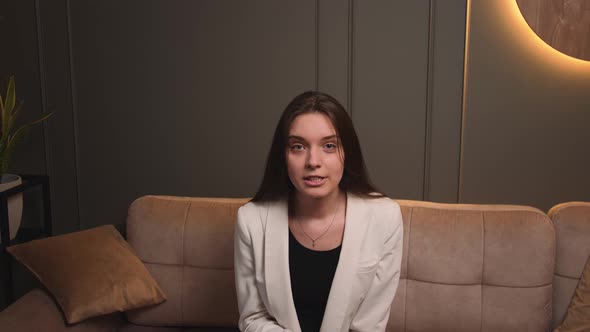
<point>24,234</point>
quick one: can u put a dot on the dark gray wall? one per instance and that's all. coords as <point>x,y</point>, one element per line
<point>389,89</point>
<point>181,100</point>
<point>20,57</point>
<point>182,97</point>
<point>36,51</point>
<point>527,114</point>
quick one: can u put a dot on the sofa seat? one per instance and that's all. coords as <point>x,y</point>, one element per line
<point>37,311</point>
<point>465,267</point>
<point>139,328</point>
<point>39,304</point>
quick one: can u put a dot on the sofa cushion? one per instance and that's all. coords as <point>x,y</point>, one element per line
<point>572,228</point>
<point>474,268</point>
<point>90,273</point>
<point>187,245</point>
<point>577,318</point>
<point>464,267</point>
<point>37,311</point>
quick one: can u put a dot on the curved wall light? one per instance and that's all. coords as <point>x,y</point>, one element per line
<point>563,24</point>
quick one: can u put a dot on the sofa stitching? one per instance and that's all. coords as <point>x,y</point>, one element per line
<point>479,284</point>
<point>191,266</point>
<point>554,262</point>
<point>182,262</point>
<point>470,207</point>
<point>566,277</point>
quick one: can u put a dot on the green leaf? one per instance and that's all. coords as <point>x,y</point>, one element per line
<point>11,118</point>
<point>2,105</point>
<point>15,140</point>
<point>10,95</point>
<point>3,156</point>
<point>2,115</point>
<point>3,166</point>
<point>9,101</point>
<point>10,138</point>
<point>19,133</point>
<point>43,118</point>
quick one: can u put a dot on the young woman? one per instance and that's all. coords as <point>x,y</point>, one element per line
<point>317,248</point>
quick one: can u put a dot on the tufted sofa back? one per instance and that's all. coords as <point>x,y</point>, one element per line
<point>464,267</point>
<point>474,268</point>
<point>187,246</point>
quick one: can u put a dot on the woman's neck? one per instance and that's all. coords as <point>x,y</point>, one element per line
<point>307,208</point>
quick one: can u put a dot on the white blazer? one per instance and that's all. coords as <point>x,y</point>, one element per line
<point>366,277</point>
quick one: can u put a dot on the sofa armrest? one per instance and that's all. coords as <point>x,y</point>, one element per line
<point>36,311</point>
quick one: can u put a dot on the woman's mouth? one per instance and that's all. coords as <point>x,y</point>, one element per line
<point>314,181</point>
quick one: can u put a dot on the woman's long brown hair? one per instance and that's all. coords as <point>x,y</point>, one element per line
<point>276,183</point>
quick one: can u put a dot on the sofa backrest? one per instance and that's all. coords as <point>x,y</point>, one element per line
<point>464,267</point>
<point>187,246</point>
<point>572,227</point>
<point>474,268</point>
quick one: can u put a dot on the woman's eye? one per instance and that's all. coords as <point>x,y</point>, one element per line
<point>331,146</point>
<point>296,147</point>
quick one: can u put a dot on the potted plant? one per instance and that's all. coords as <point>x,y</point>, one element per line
<point>10,136</point>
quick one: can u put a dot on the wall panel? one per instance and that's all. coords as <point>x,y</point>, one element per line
<point>389,85</point>
<point>181,97</point>
<point>526,137</point>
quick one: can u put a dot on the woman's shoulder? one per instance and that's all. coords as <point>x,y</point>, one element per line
<point>386,210</point>
<point>250,206</point>
<point>255,213</point>
<point>378,200</point>
<point>248,217</point>
<point>250,209</point>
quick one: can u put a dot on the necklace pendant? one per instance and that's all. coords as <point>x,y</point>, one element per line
<point>313,244</point>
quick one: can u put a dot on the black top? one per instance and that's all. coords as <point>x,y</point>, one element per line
<point>311,273</point>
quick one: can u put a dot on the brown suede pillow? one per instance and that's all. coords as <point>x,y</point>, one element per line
<point>577,318</point>
<point>90,273</point>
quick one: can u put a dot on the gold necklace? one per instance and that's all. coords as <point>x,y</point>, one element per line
<point>326,231</point>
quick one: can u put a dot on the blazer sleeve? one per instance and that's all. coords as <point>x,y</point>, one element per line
<point>254,316</point>
<point>373,312</point>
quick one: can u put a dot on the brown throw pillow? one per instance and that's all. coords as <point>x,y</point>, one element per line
<point>90,273</point>
<point>577,318</point>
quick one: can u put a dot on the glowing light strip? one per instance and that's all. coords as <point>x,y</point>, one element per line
<point>531,39</point>
<point>464,98</point>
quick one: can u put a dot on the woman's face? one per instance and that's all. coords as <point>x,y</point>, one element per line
<point>313,150</point>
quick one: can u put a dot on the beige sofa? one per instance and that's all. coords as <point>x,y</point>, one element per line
<point>464,268</point>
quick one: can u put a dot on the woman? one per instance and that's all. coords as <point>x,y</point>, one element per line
<point>317,248</point>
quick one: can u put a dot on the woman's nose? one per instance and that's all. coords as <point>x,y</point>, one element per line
<point>314,158</point>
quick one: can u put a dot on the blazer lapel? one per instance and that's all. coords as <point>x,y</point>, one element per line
<point>338,300</point>
<point>276,266</point>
